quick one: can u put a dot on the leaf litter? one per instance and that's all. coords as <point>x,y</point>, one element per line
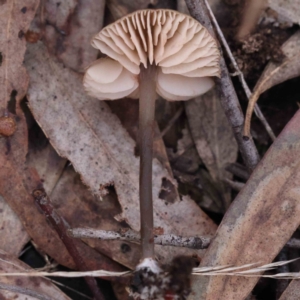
<point>91,137</point>
<point>86,204</point>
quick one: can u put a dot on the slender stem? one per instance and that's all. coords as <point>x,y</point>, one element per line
<point>193,242</point>
<point>146,124</point>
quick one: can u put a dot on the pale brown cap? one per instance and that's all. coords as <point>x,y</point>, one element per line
<point>184,51</point>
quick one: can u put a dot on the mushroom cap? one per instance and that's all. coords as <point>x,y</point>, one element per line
<point>186,54</point>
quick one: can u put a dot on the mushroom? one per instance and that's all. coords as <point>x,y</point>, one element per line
<point>152,52</point>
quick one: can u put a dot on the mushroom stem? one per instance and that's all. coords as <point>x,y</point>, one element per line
<point>146,125</point>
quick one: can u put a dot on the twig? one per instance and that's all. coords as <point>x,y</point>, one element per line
<point>239,73</point>
<point>60,226</point>
<point>170,123</point>
<point>71,289</point>
<point>130,235</point>
<point>236,185</point>
<point>229,99</point>
<point>238,170</point>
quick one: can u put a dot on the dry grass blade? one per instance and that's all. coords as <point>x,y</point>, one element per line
<point>204,271</point>
<point>275,74</point>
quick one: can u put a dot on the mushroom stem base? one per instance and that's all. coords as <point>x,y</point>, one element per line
<point>146,125</point>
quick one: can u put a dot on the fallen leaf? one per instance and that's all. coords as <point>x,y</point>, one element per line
<point>23,288</point>
<point>275,74</point>
<point>292,291</point>
<point>15,18</point>
<point>70,26</point>
<point>17,182</point>
<point>85,131</point>
<point>81,209</point>
<point>213,139</point>
<point>261,219</point>
<point>11,230</point>
<point>43,158</point>
<point>289,9</point>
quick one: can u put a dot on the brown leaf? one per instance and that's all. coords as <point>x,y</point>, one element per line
<point>292,291</point>
<point>261,219</point>
<point>275,74</point>
<point>15,18</point>
<point>25,287</point>
<point>17,182</point>
<point>11,230</point>
<point>81,209</point>
<point>70,27</point>
<point>213,138</point>
<point>85,131</point>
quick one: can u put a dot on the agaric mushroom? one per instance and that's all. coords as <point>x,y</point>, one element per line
<point>152,52</point>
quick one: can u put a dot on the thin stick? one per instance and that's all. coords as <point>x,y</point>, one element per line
<point>132,236</point>
<point>171,123</point>
<point>146,125</point>
<point>60,226</point>
<point>239,73</point>
<point>235,185</point>
<point>229,99</point>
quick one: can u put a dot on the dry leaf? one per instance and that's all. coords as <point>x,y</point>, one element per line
<point>15,18</point>
<point>85,131</point>
<point>17,182</point>
<point>23,288</point>
<point>80,208</point>
<point>261,219</point>
<point>275,74</point>
<point>71,24</point>
<point>289,9</point>
<point>11,230</point>
<point>43,158</point>
<point>292,291</point>
<point>213,138</point>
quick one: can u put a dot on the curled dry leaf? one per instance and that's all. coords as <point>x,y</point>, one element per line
<point>92,138</point>
<point>25,287</point>
<point>69,28</point>
<point>261,219</point>
<point>15,18</point>
<point>290,9</point>
<point>213,138</point>
<point>275,74</point>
